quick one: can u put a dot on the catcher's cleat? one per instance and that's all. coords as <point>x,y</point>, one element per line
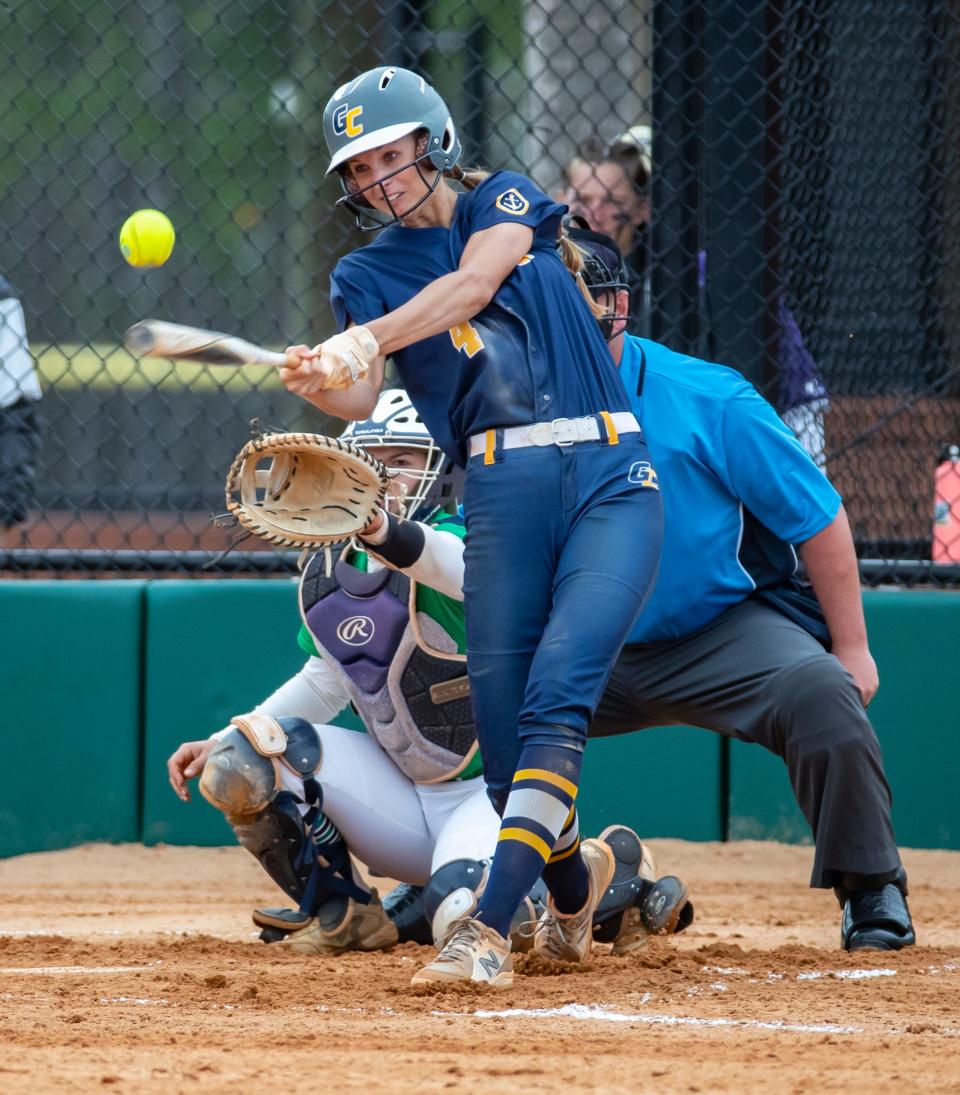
<point>877,919</point>
<point>471,951</point>
<point>567,937</point>
<point>662,909</point>
<point>339,925</point>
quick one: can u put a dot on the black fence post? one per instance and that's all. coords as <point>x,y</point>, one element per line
<point>738,236</point>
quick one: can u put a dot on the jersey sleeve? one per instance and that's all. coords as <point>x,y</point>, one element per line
<point>766,467</point>
<point>353,295</point>
<point>507,197</point>
<point>305,641</point>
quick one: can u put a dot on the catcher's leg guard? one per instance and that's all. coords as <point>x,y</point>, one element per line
<point>663,908</point>
<point>295,843</point>
<point>244,784</point>
<point>452,891</point>
<point>637,904</point>
<point>634,865</point>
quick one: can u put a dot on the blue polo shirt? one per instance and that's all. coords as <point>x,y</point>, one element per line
<point>738,489</point>
<point>533,354</point>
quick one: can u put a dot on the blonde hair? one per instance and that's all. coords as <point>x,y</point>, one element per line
<point>469,180</point>
<point>573,258</point>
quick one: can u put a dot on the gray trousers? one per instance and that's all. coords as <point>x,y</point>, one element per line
<point>756,676</point>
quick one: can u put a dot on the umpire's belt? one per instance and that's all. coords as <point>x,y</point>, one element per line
<point>561,431</point>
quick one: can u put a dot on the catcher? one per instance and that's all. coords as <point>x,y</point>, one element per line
<point>408,798</point>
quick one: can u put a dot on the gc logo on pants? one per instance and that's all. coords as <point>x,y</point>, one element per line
<point>641,472</point>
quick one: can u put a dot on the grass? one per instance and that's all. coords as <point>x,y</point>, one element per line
<point>107,365</point>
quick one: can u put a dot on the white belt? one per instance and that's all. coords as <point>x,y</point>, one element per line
<point>561,431</point>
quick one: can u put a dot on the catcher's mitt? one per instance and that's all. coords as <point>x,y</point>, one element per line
<point>304,489</point>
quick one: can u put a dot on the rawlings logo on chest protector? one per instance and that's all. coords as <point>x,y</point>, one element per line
<point>414,704</point>
<point>356,630</point>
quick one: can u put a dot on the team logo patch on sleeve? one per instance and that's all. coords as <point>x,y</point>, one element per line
<point>512,201</point>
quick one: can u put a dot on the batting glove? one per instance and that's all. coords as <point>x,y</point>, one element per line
<point>348,355</point>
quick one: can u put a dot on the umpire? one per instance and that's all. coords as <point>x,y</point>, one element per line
<point>730,640</point>
<point>19,426</point>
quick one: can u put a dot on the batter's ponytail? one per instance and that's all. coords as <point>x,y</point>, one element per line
<point>572,256</point>
<point>469,180</point>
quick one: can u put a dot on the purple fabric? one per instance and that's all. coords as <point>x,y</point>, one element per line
<point>800,380</point>
<point>361,633</point>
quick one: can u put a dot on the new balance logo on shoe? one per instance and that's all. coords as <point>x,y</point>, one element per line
<point>489,963</point>
<point>470,952</point>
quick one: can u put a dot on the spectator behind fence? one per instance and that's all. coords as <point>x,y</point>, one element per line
<point>608,185</point>
<point>19,422</point>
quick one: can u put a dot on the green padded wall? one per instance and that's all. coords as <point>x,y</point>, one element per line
<point>665,781</point>
<point>213,649</point>
<point>143,666</point>
<point>70,653</point>
<point>914,638</point>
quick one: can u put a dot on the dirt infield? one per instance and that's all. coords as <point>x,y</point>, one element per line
<point>134,969</point>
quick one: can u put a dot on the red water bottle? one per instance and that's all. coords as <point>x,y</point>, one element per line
<point>946,508</point>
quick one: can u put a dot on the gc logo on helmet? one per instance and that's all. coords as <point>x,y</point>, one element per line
<point>346,120</point>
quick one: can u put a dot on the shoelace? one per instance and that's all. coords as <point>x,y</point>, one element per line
<point>462,935</point>
<point>550,929</point>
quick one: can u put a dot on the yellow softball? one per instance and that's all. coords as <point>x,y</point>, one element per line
<point>146,238</point>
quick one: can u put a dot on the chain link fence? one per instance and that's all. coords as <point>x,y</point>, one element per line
<point>781,175</point>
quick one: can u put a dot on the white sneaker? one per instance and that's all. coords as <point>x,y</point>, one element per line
<point>472,951</point>
<point>566,937</point>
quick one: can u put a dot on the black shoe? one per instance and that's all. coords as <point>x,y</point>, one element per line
<point>404,906</point>
<point>877,919</point>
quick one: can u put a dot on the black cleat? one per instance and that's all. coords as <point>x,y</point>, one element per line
<point>877,919</point>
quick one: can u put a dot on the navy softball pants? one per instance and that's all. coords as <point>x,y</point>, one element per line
<point>562,549</point>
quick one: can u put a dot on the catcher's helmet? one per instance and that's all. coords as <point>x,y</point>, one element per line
<point>380,106</point>
<point>395,423</point>
<point>603,270</point>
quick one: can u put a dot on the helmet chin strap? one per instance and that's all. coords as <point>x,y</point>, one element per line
<point>356,201</point>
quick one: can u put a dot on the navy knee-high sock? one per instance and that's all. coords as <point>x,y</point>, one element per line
<point>539,810</point>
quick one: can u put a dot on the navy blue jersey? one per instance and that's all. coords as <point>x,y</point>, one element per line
<point>533,354</point>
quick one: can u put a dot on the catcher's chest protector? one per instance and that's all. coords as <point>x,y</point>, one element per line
<point>411,702</point>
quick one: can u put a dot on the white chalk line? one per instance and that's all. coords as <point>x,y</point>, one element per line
<point>59,970</point>
<point>600,1013</point>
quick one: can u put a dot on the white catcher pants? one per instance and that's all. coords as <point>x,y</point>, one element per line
<point>398,828</point>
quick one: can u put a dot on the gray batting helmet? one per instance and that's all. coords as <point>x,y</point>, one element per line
<point>383,105</point>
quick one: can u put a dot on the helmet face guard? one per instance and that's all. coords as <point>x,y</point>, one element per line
<point>375,109</point>
<point>396,424</point>
<point>367,217</point>
<point>603,272</point>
